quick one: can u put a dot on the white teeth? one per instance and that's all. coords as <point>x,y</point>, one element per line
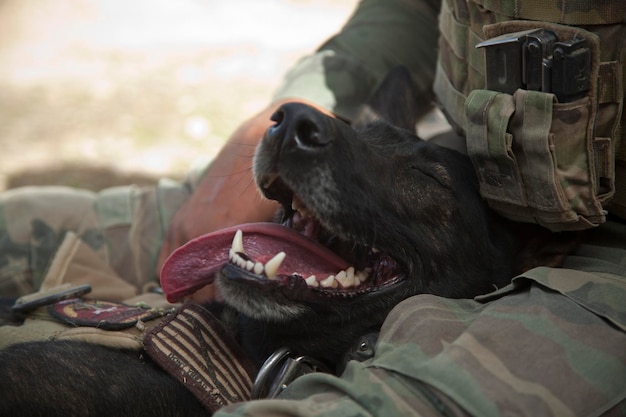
<point>350,273</point>
<point>237,245</point>
<point>239,261</point>
<point>347,278</point>
<point>271,266</point>
<point>312,281</point>
<point>329,282</point>
<point>342,278</point>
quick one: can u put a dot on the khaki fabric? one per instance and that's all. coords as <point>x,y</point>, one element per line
<point>51,236</point>
<point>109,239</point>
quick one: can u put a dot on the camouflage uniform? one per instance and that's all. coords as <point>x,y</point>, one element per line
<point>551,343</point>
<point>111,239</point>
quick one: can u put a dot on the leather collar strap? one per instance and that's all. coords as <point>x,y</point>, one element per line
<point>194,347</point>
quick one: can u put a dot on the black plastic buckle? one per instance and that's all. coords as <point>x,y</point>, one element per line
<point>280,369</point>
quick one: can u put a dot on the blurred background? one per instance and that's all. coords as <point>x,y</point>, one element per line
<point>95,93</point>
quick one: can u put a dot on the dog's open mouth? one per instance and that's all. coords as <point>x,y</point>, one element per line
<point>300,255</point>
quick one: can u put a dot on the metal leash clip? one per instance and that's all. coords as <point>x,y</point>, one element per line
<point>280,369</point>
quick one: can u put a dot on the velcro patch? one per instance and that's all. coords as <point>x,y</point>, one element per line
<point>105,315</point>
<point>194,347</point>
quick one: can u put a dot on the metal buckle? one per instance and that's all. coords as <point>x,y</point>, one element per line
<point>280,369</point>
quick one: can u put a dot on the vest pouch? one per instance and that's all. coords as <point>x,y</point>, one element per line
<point>533,157</point>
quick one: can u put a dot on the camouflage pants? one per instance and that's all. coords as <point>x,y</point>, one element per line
<point>60,234</point>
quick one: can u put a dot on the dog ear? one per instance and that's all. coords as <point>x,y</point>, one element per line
<point>396,100</point>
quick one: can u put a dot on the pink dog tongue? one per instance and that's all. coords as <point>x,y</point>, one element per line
<point>194,265</point>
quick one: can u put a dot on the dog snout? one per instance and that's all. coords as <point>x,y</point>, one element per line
<point>301,126</point>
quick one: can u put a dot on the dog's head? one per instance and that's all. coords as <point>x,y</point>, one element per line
<point>371,215</point>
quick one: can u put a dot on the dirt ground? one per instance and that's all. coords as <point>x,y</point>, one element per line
<point>95,93</point>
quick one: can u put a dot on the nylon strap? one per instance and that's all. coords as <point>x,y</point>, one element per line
<point>488,113</point>
<point>568,12</point>
<point>531,124</point>
<point>194,347</point>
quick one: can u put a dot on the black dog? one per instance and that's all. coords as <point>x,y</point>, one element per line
<point>371,215</point>
<point>404,216</point>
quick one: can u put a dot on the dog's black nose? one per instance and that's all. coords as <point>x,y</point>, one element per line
<point>301,125</point>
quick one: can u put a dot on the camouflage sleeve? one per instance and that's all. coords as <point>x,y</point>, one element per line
<point>550,344</point>
<point>66,232</point>
<point>380,35</point>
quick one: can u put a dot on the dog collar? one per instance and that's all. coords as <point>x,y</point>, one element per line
<point>280,369</point>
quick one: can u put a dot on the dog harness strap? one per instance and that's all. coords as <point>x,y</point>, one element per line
<point>600,13</point>
<point>194,348</point>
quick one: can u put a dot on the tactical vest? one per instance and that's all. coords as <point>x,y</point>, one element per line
<point>541,157</point>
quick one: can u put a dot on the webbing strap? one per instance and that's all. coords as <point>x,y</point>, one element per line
<point>489,144</point>
<point>567,12</point>
<point>531,123</point>
<point>194,347</point>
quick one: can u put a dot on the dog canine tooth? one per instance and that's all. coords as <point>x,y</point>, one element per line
<point>329,282</point>
<point>312,281</point>
<point>271,266</point>
<point>237,245</point>
<point>258,268</point>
